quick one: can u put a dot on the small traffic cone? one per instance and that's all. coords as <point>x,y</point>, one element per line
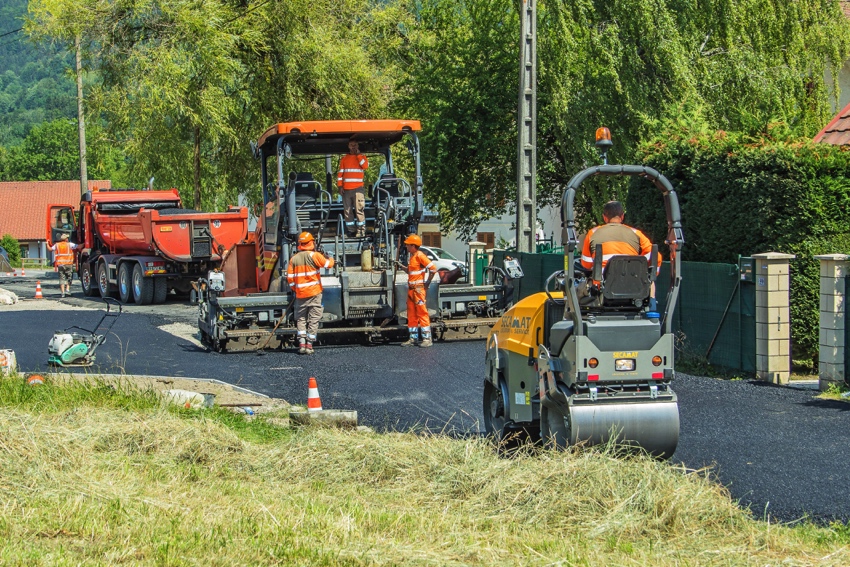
<point>38,290</point>
<point>314,402</point>
<point>23,272</point>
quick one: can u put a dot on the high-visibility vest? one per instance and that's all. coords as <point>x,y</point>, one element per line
<point>616,239</point>
<point>303,273</point>
<point>63,254</point>
<point>351,168</point>
<point>416,268</point>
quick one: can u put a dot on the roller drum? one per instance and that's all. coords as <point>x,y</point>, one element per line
<point>652,426</point>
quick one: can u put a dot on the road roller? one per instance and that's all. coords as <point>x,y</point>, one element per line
<point>590,360</point>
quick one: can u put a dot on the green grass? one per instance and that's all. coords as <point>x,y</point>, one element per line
<point>96,475</point>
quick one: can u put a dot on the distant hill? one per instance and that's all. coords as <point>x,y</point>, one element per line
<point>36,84</point>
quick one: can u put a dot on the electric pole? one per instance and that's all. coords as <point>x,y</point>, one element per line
<point>526,209</point>
<point>81,121</point>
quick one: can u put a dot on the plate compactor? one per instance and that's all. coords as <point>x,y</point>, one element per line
<point>73,348</point>
<point>597,369</point>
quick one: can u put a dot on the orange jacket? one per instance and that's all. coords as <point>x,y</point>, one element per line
<point>303,273</point>
<point>351,168</point>
<point>63,253</point>
<point>616,239</point>
<point>416,268</point>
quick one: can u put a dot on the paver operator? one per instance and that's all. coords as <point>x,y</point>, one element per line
<point>303,275</point>
<point>417,310</point>
<point>350,182</point>
<point>63,259</point>
<point>616,238</point>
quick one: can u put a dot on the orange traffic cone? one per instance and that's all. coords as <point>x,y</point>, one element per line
<point>38,290</point>
<point>23,272</point>
<point>314,402</point>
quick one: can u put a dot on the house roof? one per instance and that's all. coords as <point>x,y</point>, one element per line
<point>23,204</point>
<point>837,132</point>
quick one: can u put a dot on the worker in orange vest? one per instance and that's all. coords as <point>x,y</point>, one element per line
<point>63,259</point>
<point>616,238</point>
<point>417,285</point>
<point>304,277</point>
<point>350,182</point>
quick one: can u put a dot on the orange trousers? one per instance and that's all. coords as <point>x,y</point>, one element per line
<point>417,311</point>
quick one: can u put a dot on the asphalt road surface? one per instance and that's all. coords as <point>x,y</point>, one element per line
<point>780,451</point>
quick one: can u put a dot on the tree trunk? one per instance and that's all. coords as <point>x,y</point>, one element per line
<point>197,167</point>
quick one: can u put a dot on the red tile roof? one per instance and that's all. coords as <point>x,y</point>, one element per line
<point>837,132</point>
<point>23,204</point>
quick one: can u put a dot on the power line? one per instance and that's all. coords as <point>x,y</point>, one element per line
<point>11,32</point>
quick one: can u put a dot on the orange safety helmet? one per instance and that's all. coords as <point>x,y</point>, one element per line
<point>413,239</point>
<point>305,240</point>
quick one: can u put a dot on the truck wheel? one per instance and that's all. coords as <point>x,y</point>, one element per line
<point>160,290</point>
<point>125,283</point>
<point>103,281</point>
<point>142,286</point>
<point>87,279</point>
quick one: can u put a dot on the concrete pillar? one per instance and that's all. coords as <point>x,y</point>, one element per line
<point>475,249</point>
<point>833,269</point>
<point>773,317</point>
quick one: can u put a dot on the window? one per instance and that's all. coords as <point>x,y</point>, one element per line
<point>488,238</point>
<point>432,239</point>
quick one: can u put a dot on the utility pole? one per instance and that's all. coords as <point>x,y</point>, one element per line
<point>81,121</point>
<point>526,209</point>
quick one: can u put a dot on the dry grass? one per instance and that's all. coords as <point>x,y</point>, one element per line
<point>96,476</point>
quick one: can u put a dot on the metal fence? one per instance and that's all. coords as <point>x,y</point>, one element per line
<point>714,318</point>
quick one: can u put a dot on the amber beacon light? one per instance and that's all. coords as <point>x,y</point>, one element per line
<point>603,143</point>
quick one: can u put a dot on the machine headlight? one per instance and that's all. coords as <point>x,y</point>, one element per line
<point>624,364</point>
<point>656,360</point>
<point>593,363</point>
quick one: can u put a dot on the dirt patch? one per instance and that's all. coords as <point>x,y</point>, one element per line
<point>226,395</point>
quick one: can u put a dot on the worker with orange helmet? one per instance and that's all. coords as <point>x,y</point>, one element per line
<point>350,182</point>
<point>304,277</point>
<point>417,284</point>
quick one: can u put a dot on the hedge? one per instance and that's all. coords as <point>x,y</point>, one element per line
<point>743,196</point>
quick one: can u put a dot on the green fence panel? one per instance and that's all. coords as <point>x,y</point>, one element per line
<point>715,315</point>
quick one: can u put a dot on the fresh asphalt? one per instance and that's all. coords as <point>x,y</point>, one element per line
<point>780,451</point>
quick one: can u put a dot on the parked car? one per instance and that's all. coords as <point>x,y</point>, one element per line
<point>442,259</point>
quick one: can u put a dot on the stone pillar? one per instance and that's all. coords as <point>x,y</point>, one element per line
<point>475,249</point>
<point>833,269</point>
<point>773,317</point>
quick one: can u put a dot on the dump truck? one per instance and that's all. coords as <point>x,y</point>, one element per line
<point>571,368</point>
<point>139,245</point>
<point>247,304</point>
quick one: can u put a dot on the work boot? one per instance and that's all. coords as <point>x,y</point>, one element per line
<point>303,349</point>
<point>426,343</point>
<point>361,233</point>
<point>410,342</point>
<point>309,349</point>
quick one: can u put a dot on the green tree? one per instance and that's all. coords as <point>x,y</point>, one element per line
<point>626,64</point>
<point>13,249</point>
<point>51,152</point>
<point>184,85</point>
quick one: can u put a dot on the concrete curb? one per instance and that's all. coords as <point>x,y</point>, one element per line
<point>345,419</point>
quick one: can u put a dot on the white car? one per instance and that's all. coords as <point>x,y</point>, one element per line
<point>442,259</point>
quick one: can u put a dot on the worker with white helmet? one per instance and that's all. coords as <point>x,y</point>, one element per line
<point>63,259</point>
<point>304,277</point>
<point>417,310</point>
